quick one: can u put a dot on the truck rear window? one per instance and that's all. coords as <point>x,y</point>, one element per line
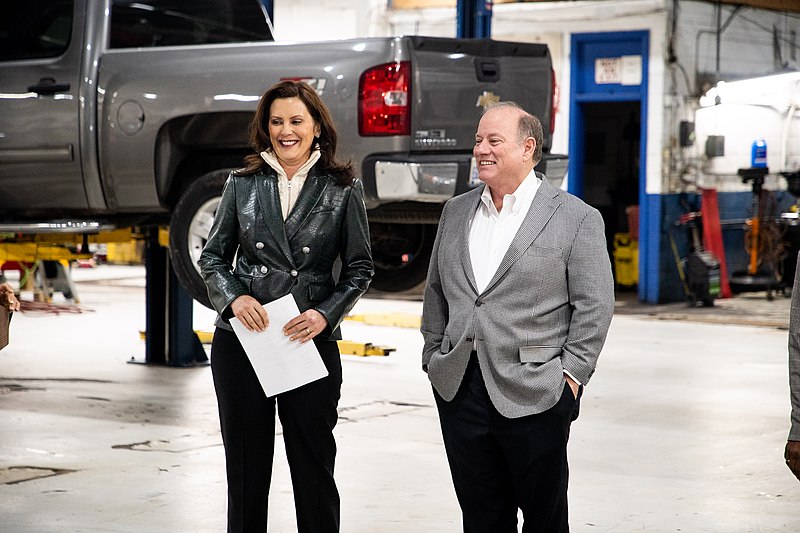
<point>33,30</point>
<point>153,23</point>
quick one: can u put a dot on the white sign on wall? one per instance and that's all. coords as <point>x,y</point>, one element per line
<point>625,70</point>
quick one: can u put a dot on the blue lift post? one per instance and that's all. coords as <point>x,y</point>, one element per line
<point>473,19</point>
<point>170,339</point>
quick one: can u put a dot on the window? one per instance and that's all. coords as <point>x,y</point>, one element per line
<point>151,23</point>
<point>35,29</point>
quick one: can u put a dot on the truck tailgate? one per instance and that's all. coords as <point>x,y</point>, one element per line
<point>453,79</point>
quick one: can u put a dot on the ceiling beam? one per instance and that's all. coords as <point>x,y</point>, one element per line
<point>776,5</point>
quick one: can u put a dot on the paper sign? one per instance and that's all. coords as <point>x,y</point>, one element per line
<point>280,364</point>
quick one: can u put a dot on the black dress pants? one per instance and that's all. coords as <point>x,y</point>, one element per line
<point>247,418</point>
<point>503,464</point>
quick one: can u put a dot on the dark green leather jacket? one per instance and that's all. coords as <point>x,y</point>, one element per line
<point>274,258</point>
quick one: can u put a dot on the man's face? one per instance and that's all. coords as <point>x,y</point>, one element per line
<point>501,158</point>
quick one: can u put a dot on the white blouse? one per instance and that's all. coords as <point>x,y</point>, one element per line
<point>289,189</point>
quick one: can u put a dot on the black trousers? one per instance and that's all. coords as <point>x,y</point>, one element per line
<point>503,464</point>
<point>247,418</point>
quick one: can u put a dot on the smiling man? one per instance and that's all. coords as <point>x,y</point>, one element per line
<point>517,305</point>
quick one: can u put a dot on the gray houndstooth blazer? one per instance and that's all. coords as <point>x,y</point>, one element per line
<point>794,355</point>
<point>547,308</point>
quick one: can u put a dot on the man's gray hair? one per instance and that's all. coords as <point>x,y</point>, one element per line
<point>529,126</point>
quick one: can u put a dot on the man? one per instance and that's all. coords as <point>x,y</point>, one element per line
<point>517,306</point>
<point>792,451</point>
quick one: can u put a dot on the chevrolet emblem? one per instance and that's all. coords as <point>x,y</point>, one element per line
<point>487,98</point>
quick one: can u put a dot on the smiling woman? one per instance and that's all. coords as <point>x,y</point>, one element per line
<point>281,224</point>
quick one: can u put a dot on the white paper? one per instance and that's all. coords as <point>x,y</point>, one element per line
<point>631,70</point>
<point>280,364</point>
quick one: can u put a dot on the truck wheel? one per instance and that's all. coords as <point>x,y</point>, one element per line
<point>401,253</point>
<point>189,227</point>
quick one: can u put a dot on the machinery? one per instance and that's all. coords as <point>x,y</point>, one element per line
<point>762,242</point>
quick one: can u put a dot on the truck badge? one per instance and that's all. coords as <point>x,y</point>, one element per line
<point>486,99</point>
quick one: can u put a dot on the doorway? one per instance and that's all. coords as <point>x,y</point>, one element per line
<point>608,145</point>
<point>611,162</point>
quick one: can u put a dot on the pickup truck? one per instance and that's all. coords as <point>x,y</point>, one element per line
<point>133,112</point>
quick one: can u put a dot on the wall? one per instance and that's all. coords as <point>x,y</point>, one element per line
<point>753,43</point>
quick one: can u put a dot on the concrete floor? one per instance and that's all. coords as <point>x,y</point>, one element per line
<point>682,427</point>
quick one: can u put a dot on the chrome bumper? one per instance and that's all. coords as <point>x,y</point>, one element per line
<point>421,182</point>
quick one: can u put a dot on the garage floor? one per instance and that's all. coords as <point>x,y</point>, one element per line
<point>682,427</point>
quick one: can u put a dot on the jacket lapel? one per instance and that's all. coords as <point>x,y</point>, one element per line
<point>310,195</point>
<point>269,200</point>
<point>466,217</point>
<point>542,208</point>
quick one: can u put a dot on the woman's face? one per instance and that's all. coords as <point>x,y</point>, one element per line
<point>291,131</point>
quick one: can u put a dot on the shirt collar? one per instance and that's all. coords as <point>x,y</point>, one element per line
<point>515,200</point>
<point>269,157</point>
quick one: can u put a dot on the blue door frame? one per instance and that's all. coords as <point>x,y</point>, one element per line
<point>586,48</point>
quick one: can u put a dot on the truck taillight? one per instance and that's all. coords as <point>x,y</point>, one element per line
<point>554,105</point>
<point>384,106</point>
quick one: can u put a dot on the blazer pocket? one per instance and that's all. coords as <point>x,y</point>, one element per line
<point>318,292</point>
<point>544,251</point>
<point>539,354</point>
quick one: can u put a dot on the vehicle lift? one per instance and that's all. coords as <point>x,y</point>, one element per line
<point>170,339</point>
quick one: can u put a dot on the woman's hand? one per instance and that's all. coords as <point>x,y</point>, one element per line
<point>7,297</point>
<point>250,313</point>
<point>306,326</point>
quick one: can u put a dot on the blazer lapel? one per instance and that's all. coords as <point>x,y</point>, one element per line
<point>269,200</point>
<point>310,195</point>
<point>542,208</point>
<point>466,218</point>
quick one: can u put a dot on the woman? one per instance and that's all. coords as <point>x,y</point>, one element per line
<point>285,218</point>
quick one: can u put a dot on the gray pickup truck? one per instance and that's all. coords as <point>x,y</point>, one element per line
<point>133,112</point>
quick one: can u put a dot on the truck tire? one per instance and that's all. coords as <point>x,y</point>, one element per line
<point>188,230</point>
<point>401,253</point>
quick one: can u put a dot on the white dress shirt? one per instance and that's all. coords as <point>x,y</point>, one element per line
<point>491,233</point>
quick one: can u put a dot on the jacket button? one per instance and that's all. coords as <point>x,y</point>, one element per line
<point>478,303</point>
<point>306,249</point>
<point>259,245</point>
<point>264,270</point>
<point>469,339</point>
<point>293,273</point>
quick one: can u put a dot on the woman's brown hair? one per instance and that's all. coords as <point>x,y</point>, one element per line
<point>259,131</point>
